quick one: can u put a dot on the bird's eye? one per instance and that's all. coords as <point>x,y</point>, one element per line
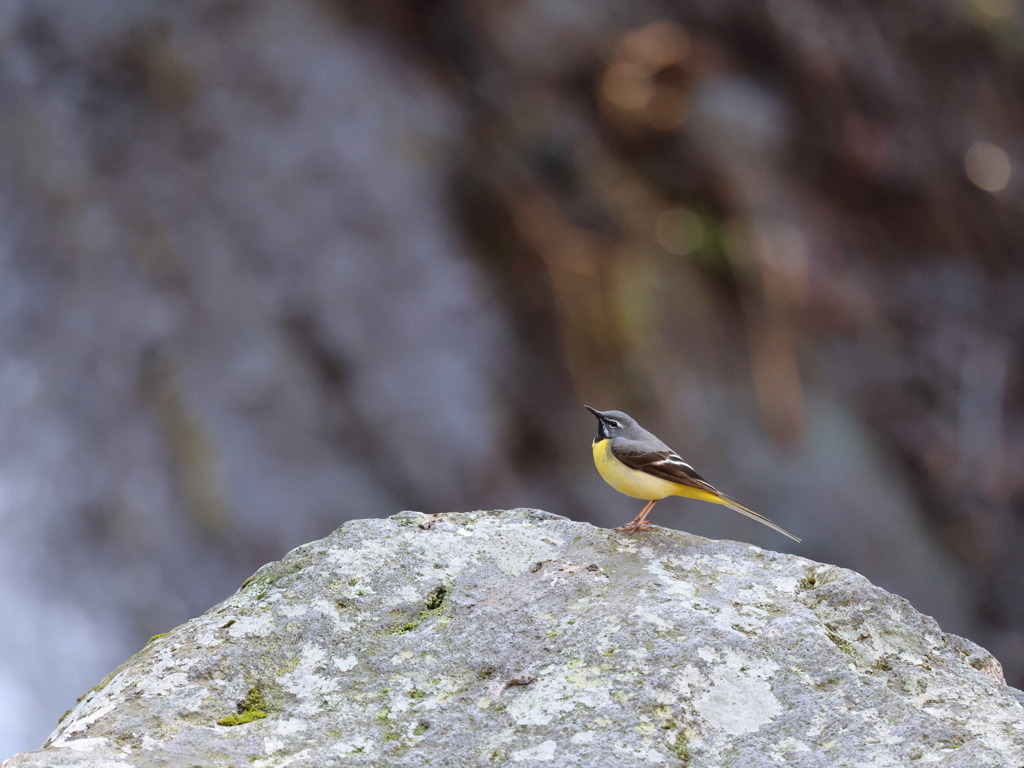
<point>612,424</point>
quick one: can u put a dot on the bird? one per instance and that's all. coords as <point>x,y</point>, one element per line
<point>635,462</point>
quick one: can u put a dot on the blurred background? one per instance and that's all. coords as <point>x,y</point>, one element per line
<point>266,267</point>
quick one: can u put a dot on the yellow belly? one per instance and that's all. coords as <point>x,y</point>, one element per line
<point>640,485</point>
<point>631,482</point>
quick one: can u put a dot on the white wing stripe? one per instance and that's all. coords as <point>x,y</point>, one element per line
<point>674,460</point>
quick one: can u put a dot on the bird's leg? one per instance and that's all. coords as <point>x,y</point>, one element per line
<point>640,522</point>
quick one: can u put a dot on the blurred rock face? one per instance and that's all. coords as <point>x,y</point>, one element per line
<point>267,265</point>
<point>235,313</point>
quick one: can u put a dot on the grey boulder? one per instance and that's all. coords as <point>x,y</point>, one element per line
<point>520,637</point>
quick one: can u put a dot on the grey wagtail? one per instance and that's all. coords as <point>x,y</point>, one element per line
<point>635,462</point>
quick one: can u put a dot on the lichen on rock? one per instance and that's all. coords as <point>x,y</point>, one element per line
<point>520,636</point>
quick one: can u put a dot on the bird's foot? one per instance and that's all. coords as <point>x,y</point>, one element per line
<point>634,526</point>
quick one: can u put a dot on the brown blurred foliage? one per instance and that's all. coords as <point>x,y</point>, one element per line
<point>800,195</point>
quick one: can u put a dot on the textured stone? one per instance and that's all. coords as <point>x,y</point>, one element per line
<point>522,637</point>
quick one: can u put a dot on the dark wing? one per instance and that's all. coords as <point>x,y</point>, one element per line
<point>667,465</point>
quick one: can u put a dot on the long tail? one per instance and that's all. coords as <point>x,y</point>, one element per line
<point>732,504</point>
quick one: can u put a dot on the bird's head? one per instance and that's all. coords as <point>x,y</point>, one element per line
<point>611,424</point>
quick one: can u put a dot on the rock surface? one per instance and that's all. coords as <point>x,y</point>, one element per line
<point>526,638</point>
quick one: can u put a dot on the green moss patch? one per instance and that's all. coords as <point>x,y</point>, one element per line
<point>252,707</point>
<point>433,606</point>
<point>681,747</point>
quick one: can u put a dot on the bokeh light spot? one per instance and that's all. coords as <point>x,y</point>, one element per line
<point>679,230</point>
<point>627,86</point>
<point>647,82</point>
<point>988,166</point>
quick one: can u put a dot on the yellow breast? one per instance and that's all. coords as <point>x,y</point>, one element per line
<point>631,482</point>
